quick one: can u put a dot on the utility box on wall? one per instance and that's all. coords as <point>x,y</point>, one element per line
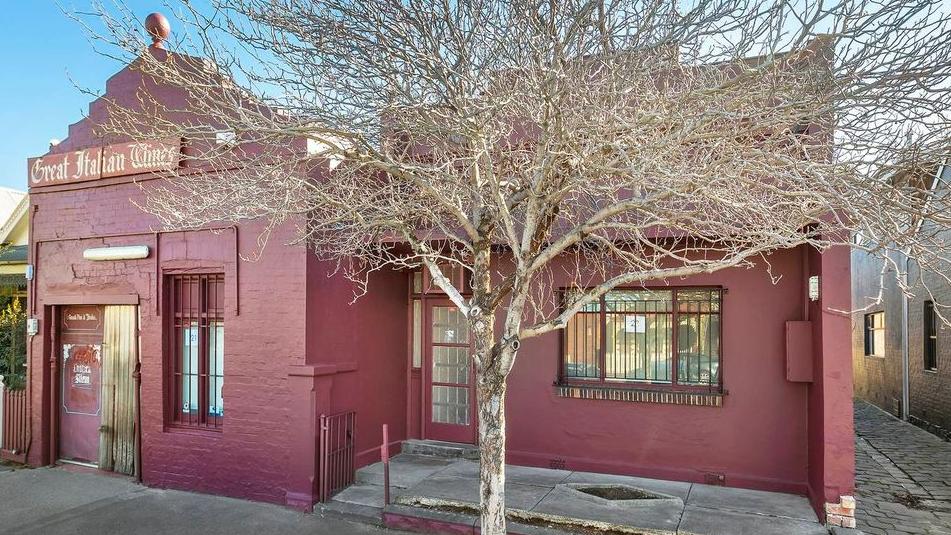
<point>799,351</point>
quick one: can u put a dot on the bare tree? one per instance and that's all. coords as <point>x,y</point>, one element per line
<point>631,141</point>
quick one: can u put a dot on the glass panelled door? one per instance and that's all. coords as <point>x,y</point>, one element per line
<point>450,392</point>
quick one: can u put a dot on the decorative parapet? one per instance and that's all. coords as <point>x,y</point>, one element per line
<point>841,514</point>
<point>699,399</point>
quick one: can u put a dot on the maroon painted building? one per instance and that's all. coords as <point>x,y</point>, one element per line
<point>232,362</point>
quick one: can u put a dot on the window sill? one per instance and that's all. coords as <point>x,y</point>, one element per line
<point>636,395</point>
<point>198,431</point>
<point>875,356</point>
<point>933,371</point>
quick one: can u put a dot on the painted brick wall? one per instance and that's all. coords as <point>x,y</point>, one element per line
<point>248,458</point>
<point>878,380</point>
<point>283,313</point>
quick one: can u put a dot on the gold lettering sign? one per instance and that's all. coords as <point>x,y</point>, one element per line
<point>110,161</point>
<point>82,318</point>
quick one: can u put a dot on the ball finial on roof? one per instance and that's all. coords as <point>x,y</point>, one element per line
<point>159,28</point>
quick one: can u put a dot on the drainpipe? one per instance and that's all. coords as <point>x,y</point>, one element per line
<point>137,375</point>
<point>905,386</point>
<point>904,342</point>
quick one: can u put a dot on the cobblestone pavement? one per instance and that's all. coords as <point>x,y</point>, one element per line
<point>903,476</point>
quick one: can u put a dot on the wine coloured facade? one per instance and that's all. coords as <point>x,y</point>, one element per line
<point>169,357</point>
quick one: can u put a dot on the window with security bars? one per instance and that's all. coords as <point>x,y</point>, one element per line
<point>662,336</point>
<point>931,336</point>
<point>196,339</point>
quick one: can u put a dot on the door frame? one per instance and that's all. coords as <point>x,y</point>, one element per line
<point>52,337</point>
<point>429,429</point>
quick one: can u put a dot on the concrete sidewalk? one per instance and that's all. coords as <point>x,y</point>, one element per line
<point>54,501</point>
<point>438,489</point>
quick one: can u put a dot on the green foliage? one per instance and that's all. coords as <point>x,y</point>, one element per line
<point>13,345</point>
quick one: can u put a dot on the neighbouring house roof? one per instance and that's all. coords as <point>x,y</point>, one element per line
<point>13,218</point>
<point>9,199</point>
<point>14,238</point>
<point>13,254</point>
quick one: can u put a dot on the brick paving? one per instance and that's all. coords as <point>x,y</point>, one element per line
<point>903,476</point>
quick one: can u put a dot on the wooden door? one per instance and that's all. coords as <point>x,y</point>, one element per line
<point>80,394</point>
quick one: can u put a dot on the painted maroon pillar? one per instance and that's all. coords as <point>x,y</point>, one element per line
<point>831,434</point>
<point>310,392</point>
<point>41,372</point>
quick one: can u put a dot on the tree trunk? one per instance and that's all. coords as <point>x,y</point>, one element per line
<point>494,361</point>
<point>491,394</point>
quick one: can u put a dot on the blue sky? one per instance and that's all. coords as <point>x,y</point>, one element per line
<point>45,57</point>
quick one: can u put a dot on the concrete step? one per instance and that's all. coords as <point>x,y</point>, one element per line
<point>437,448</point>
<point>365,496</point>
<point>363,502</point>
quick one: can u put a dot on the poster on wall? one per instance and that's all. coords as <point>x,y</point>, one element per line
<point>82,369</point>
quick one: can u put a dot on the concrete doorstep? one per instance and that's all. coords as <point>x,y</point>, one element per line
<point>431,494</point>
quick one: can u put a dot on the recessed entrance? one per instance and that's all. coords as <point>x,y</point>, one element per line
<point>97,391</point>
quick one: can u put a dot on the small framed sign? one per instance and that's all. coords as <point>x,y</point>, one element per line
<point>635,324</point>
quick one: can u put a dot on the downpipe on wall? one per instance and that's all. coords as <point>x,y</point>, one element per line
<point>904,342</point>
<point>939,176</point>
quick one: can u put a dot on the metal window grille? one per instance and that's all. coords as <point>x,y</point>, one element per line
<point>646,336</point>
<point>931,336</point>
<point>196,316</point>
<point>335,462</point>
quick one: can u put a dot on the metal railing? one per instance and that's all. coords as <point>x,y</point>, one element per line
<point>14,424</point>
<point>335,453</point>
